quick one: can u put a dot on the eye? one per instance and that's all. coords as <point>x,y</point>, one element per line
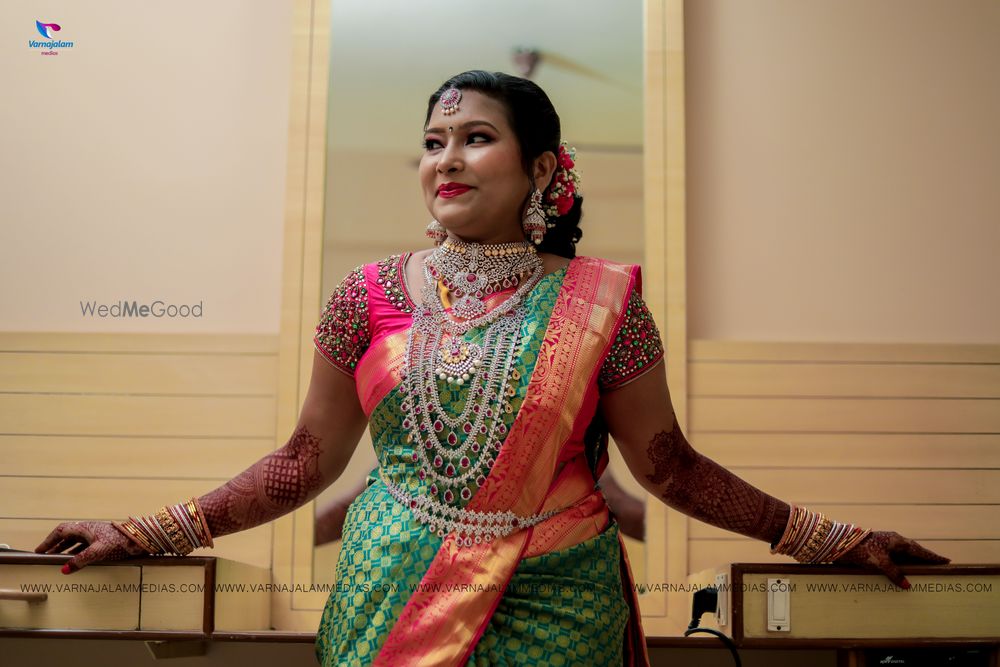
<point>430,144</point>
<point>479,135</point>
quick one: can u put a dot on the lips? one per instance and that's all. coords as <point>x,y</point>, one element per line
<point>449,190</point>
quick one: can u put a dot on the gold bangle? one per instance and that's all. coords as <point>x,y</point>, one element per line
<point>815,541</point>
<point>194,507</point>
<point>138,536</point>
<point>178,541</point>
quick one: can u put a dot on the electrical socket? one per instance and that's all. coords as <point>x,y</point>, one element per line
<point>721,610</point>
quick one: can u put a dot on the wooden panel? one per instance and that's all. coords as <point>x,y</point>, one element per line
<point>205,416</point>
<point>895,437</point>
<point>129,456</point>
<point>822,485</point>
<point>137,342</point>
<point>138,373</point>
<point>93,498</point>
<point>242,601</point>
<point>919,522</point>
<point>845,415</point>
<point>109,599</point>
<point>249,546</point>
<point>703,554</point>
<point>858,613</point>
<point>713,350</point>
<point>173,598</point>
<point>847,380</point>
<point>850,450</point>
<point>101,426</point>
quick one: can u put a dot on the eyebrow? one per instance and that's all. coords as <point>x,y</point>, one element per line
<point>464,125</point>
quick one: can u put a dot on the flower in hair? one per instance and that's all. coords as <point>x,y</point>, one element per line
<point>565,184</point>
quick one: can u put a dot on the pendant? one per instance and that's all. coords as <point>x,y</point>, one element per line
<point>468,282</point>
<point>458,360</point>
<point>469,307</point>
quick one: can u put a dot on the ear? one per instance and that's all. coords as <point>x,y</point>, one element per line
<point>543,168</point>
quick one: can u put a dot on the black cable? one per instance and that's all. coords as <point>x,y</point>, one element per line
<point>706,600</point>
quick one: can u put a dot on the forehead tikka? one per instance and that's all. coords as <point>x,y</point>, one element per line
<point>449,101</point>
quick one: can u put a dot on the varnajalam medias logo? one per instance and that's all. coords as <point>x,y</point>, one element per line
<point>47,30</point>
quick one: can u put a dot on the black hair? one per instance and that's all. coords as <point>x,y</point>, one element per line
<point>536,125</point>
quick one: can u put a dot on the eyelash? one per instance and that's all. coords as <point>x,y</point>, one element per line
<point>426,144</point>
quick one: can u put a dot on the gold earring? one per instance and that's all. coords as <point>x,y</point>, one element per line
<point>436,232</point>
<point>534,218</point>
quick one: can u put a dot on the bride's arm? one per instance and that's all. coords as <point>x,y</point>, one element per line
<point>329,426</point>
<point>642,422</point>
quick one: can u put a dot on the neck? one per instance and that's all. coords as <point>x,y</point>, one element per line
<point>516,236</point>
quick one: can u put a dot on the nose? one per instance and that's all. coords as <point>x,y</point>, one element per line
<point>450,158</point>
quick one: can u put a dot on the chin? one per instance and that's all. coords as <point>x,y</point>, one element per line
<point>454,221</point>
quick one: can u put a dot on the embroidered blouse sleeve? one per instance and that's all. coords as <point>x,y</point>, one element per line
<point>636,349</point>
<point>343,332</point>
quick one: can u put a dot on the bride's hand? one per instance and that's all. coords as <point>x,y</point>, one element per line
<point>885,551</point>
<point>89,542</point>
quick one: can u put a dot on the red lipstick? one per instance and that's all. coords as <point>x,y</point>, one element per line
<point>449,190</point>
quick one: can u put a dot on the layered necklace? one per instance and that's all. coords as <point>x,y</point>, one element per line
<point>456,453</point>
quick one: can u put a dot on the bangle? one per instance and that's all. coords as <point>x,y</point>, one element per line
<point>810,537</point>
<point>174,529</point>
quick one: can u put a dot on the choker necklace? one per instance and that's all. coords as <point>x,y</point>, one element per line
<point>472,271</point>
<point>456,453</point>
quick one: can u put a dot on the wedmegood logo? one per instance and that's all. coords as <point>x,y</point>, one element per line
<point>48,30</point>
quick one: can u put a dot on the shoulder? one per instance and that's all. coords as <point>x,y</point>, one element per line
<point>628,276</point>
<point>372,274</point>
<point>384,281</point>
<point>603,263</point>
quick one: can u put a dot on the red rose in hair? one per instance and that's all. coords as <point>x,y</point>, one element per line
<point>564,204</point>
<point>565,161</point>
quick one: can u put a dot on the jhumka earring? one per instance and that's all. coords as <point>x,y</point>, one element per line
<point>534,218</point>
<point>436,232</point>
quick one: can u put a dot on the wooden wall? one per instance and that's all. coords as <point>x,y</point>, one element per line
<point>101,426</point>
<point>893,437</point>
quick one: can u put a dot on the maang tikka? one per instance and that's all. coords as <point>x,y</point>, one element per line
<point>449,101</point>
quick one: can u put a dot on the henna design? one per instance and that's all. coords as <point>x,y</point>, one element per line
<point>275,485</point>
<point>90,542</point>
<point>876,550</point>
<point>703,489</point>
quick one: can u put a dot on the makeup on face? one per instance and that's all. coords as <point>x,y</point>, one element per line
<point>451,189</point>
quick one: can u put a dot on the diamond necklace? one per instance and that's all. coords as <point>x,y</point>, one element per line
<point>472,271</point>
<point>436,351</point>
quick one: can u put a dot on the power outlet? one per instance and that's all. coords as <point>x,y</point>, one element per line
<point>722,610</point>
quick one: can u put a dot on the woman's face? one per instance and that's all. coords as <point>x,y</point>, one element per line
<point>471,173</point>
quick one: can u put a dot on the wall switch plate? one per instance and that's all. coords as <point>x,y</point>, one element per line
<point>779,618</point>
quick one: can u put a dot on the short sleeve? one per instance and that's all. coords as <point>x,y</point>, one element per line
<point>343,332</point>
<point>636,349</point>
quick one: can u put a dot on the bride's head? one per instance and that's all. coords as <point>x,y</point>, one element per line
<point>485,148</point>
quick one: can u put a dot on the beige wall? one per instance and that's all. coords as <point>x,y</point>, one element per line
<point>146,162</point>
<point>843,161</point>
